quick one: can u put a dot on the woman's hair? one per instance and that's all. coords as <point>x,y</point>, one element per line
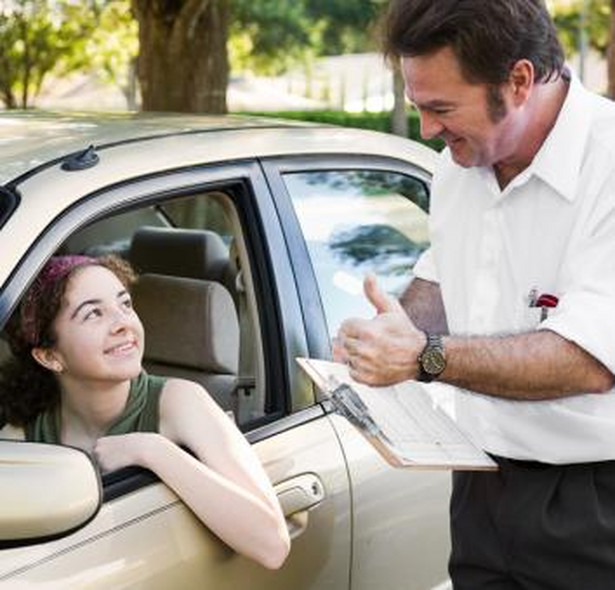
<point>26,387</point>
<point>487,36</point>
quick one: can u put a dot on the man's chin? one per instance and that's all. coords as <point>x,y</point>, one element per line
<point>461,161</point>
<point>462,157</point>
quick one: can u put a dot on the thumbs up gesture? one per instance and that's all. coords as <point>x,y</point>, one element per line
<point>382,302</point>
<point>385,349</point>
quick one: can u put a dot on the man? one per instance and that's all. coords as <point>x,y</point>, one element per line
<point>514,303</point>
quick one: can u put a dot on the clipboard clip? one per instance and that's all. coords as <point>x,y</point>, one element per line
<point>349,404</point>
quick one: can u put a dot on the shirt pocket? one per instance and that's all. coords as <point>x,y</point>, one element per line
<point>530,318</point>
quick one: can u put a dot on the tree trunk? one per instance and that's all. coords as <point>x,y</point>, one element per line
<point>129,90</point>
<point>611,54</point>
<point>399,118</point>
<point>183,60</point>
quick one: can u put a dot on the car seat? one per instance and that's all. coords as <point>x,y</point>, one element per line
<point>190,319</point>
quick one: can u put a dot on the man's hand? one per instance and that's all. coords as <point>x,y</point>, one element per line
<point>383,350</point>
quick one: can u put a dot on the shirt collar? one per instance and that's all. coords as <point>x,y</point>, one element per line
<point>558,162</point>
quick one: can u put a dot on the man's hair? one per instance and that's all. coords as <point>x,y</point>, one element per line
<point>487,36</point>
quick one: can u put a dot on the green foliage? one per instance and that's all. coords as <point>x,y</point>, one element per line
<point>598,21</point>
<point>268,36</point>
<point>373,121</point>
<point>112,48</point>
<point>35,37</point>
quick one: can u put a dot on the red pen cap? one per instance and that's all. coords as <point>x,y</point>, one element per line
<point>547,300</point>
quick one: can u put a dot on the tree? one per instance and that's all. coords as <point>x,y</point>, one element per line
<point>183,62</point>
<point>275,34</point>
<point>35,36</point>
<point>183,59</point>
<point>112,48</point>
<point>597,17</point>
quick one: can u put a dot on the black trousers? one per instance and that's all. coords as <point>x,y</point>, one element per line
<point>532,526</point>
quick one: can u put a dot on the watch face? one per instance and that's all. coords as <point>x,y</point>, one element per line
<point>433,361</point>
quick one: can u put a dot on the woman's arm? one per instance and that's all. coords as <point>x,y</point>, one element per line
<point>226,487</point>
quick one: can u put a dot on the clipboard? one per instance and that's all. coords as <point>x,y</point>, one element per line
<point>401,421</point>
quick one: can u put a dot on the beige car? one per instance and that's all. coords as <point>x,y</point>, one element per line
<point>284,220</point>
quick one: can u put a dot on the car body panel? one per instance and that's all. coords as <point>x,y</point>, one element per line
<point>405,525</point>
<point>150,539</point>
<point>32,138</point>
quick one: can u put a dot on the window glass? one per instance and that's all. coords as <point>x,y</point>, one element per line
<point>211,214</point>
<point>357,222</point>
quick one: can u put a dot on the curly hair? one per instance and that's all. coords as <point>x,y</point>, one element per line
<point>27,388</point>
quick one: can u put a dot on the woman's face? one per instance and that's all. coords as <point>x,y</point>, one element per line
<point>98,334</point>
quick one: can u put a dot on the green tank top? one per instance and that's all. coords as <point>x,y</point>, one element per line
<point>139,415</point>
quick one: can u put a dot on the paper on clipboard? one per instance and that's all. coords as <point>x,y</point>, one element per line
<point>400,421</point>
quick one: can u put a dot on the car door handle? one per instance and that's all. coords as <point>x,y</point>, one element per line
<point>300,493</point>
<point>296,496</point>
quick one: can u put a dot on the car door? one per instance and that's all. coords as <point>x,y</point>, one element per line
<point>363,215</point>
<point>143,536</point>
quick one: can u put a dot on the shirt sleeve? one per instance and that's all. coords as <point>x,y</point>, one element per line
<point>585,313</point>
<point>425,267</point>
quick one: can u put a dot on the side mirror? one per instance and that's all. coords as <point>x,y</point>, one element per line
<point>46,490</point>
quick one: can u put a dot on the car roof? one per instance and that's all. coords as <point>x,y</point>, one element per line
<point>31,138</point>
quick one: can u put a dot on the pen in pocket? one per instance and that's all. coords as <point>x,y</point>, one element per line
<point>545,301</point>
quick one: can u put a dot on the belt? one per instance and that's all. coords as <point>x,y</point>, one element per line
<point>535,465</point>
<point>521,464</point>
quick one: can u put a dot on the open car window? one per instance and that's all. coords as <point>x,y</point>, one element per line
<point>195,295</point>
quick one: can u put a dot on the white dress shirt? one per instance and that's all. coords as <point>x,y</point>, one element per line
<point>550,231</point>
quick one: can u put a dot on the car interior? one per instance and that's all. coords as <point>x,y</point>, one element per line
<point>194,295</point>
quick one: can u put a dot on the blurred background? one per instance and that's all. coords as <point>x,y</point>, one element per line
<point>307,59</point>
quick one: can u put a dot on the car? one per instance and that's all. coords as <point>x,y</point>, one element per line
<point>285,219</point>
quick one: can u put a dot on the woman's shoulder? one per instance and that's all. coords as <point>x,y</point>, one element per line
<point>182,395</point>
<point>185,406</point>
<point>184,387</point>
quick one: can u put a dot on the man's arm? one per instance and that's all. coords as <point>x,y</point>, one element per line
<point>423,303</point>
<point>531,366</point>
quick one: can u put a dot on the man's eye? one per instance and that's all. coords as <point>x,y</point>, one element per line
<point>127,303</point>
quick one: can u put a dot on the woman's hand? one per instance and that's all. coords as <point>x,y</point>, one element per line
<point>115,452</point>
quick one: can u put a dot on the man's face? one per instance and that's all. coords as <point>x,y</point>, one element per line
<point>474,120</point>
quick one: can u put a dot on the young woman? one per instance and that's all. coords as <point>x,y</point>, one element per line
<point>76,379</point>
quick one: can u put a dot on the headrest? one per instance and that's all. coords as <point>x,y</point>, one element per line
<point>188,322</point>
<point>193,253</point>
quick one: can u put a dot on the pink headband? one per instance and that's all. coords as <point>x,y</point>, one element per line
<point>56,269</point>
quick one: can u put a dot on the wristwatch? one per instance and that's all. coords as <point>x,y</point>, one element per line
<point>432,360</point>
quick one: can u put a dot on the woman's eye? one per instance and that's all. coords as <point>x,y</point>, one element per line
<point>127,303</point>
<point>93,313</point>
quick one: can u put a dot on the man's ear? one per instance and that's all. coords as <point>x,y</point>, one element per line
<point>521,81</point>
<point>46,357</point>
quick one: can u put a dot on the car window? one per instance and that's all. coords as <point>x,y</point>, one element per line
<point>177,245</point>
<point>208,214</point>
<point>357,222</point>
